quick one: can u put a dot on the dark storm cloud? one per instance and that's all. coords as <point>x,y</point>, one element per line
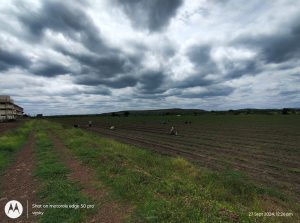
<point>104,65</point>
<point>9,59</point>
<point>152,82</point>
<point>49,69</point>
<point>276,47</point>
<point>153,15</point>
<point>283,46</point>
<point>63,17</point>
<point>114,69</point>
<point>116,83</point>
<point>200,56</point>
<point>238,68</point>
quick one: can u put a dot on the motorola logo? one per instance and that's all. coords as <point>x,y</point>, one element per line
<point>13,209</point>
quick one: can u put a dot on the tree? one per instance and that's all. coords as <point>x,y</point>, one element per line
<point>285,111</point>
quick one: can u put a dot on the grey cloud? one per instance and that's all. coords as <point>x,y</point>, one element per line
<point>49,69</point>
<point>105,66</point>
<point>201,58</point>
<point>98,91</point>
<point>238,68</point>
<point>213,91</point>
<point>277,47</point>
<point>118,82</point>
<point>153,96</point>
<point>109,66</point>
<point>193,81</point>
<point>62,17</point>
<point>112,59</point>
<point>121,82</point>
<point>98,68</point>
<point>290,93</point>
<point>9,59</point>
<point>152,15</point>
<point>200,54</point>
<point>114,69</point>
<point>88,80</point>
<point>169,51</point>
<point>153,82</point>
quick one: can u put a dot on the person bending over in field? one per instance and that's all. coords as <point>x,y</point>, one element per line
<point>173,131</point>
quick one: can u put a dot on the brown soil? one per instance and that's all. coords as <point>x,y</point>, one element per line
<point>19,184</point>
<point>212,155</point>
<point>5,126</point>
<point>109,211</point>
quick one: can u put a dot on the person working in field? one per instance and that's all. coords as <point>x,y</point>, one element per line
<point>90,123</point>
<point>173,131</point>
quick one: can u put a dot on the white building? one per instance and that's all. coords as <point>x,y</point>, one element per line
<point>8,109</point>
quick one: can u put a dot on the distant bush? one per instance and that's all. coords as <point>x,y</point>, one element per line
<point>285,111</point>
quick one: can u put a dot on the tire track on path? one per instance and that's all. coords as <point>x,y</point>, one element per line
<point>109,212</point>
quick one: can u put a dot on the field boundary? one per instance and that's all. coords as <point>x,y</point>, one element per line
<point>109,211</point>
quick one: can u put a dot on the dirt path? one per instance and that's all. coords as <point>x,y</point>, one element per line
<point>109,212</point>
<point>19,184</point>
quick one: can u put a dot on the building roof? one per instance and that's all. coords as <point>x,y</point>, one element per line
<point>8,99</point>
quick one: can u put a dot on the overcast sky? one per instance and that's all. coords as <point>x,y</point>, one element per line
<point>76,57</point>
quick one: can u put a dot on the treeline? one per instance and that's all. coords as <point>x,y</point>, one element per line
<point>166,112</point>
<point>195,112</point>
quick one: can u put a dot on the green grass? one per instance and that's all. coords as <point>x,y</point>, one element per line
<point>165,189</point>
<point>11,142</point>
<point>55,187</point>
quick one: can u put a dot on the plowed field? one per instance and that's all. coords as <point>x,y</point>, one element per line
<point>265,147</point>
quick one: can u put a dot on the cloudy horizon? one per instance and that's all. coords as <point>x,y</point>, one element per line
<point>87,57</point>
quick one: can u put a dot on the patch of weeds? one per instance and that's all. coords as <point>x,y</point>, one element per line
<point>11,142</point>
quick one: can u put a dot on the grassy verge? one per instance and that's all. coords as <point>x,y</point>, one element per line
<point>165,189</point>
<point>11,142</point>
<point>55,188</point>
